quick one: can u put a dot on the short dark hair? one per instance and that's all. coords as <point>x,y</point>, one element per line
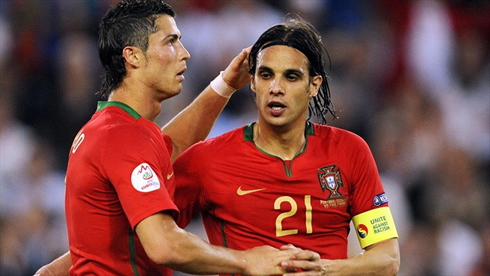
<point>303,36</point>
<point>128,23</point>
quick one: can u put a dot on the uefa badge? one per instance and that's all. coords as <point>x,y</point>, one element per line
<point>144,178</point>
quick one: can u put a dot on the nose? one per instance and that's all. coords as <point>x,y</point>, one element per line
<point>276,87</point>
<point>184,53</point>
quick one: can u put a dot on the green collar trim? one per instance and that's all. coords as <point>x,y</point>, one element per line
<point>309,130</point>
<point>288,167</point>
<point>102,104</point>
<point>248,134</point>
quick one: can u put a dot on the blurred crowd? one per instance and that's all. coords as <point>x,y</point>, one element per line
<point>411,77</point>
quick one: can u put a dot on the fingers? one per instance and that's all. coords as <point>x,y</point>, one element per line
<point>305,273</point>
<point>301,264</point>
<point>312,268</point>
<point>307,255</point>
<point>305,262</point>
<point>301,254</point>
<point>288,246</point>
<point>240,61</point>
<point>266,260</point>
<point>236,74</point>
<point>242,57</point>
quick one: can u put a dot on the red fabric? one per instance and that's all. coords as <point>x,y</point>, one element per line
<point>276,211</point>
<point>103,203</point>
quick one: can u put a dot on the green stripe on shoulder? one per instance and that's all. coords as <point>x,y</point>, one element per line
<point>101,105</point>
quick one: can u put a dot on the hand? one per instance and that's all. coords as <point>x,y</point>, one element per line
<point>45,271</point>
<point>266,260</point>
<point>309,264</point>
<point>302,254</point>
<point>236,74</point>
<point>58,267</point>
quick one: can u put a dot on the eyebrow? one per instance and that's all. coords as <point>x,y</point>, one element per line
<point>295,71</point>
<point>174,36</point>
<point>287,72</point>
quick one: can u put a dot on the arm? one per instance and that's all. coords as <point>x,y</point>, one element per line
<point>167,244</point>
<point>58,267</point>
<point>382,258</point>
<point>200,116</point>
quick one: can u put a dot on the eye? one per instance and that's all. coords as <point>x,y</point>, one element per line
<point>265,75</point>
<point>292,77</point>
<point>172,39</point>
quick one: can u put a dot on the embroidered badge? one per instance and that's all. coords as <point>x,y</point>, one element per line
<point>144,178</point>
<point>331,180</point>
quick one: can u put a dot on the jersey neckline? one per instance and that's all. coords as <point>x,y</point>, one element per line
<point>103,104</point>
<point>248,132</point>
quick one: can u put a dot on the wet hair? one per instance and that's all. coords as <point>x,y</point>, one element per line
<point>302,36</point>
<point>128,23</point>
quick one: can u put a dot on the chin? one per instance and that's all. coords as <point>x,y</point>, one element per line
<point>168,94</point>
<point>276,122</point>
<point>175,92</point>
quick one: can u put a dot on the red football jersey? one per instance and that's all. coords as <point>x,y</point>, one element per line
<point>116,176</point>
<point>250,198</point>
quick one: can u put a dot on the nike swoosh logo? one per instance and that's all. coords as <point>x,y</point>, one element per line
<point>241,192</point>
<point>170,175</point>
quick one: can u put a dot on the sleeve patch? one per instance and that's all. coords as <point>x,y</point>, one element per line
<point>374,226</point>
<point>380,199</point>
<point>144,178</point>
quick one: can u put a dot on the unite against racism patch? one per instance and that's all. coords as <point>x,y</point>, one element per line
<point>144,179</point>
<point>374,226</point>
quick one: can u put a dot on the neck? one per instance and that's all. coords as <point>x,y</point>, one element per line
<point>283,144</point>
<point>144,104</point>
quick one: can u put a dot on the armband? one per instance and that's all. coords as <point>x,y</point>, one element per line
<point>374,226</point>
<point>221,87</point>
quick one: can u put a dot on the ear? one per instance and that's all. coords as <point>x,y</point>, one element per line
<point>252,84</point>
<point>133,56</point>
<point>315,84</point>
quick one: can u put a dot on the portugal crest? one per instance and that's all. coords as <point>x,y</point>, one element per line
<point>330,180</point>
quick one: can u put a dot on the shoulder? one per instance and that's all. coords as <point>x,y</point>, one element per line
<point>205,151</point>
<point>117,127</point>
<point>232,137</point>
<point>337,135</point>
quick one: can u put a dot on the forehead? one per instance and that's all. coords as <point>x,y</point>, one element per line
<point>282,57</point>
<point>166,25</point>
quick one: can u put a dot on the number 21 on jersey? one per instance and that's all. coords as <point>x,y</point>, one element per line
<point>280,232</point>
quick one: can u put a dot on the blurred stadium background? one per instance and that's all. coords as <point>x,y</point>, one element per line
<point>411,77</point>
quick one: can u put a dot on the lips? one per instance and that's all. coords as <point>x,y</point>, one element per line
<point>276,108</point>
<point>181,74</point>
<point>182,71</point>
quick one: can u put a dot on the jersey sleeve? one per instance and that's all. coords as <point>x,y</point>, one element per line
<point>189,169</point>
<point>168,143</point>
<point>138,166</point>
<point>372,217</point>
<point>366,182</point>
